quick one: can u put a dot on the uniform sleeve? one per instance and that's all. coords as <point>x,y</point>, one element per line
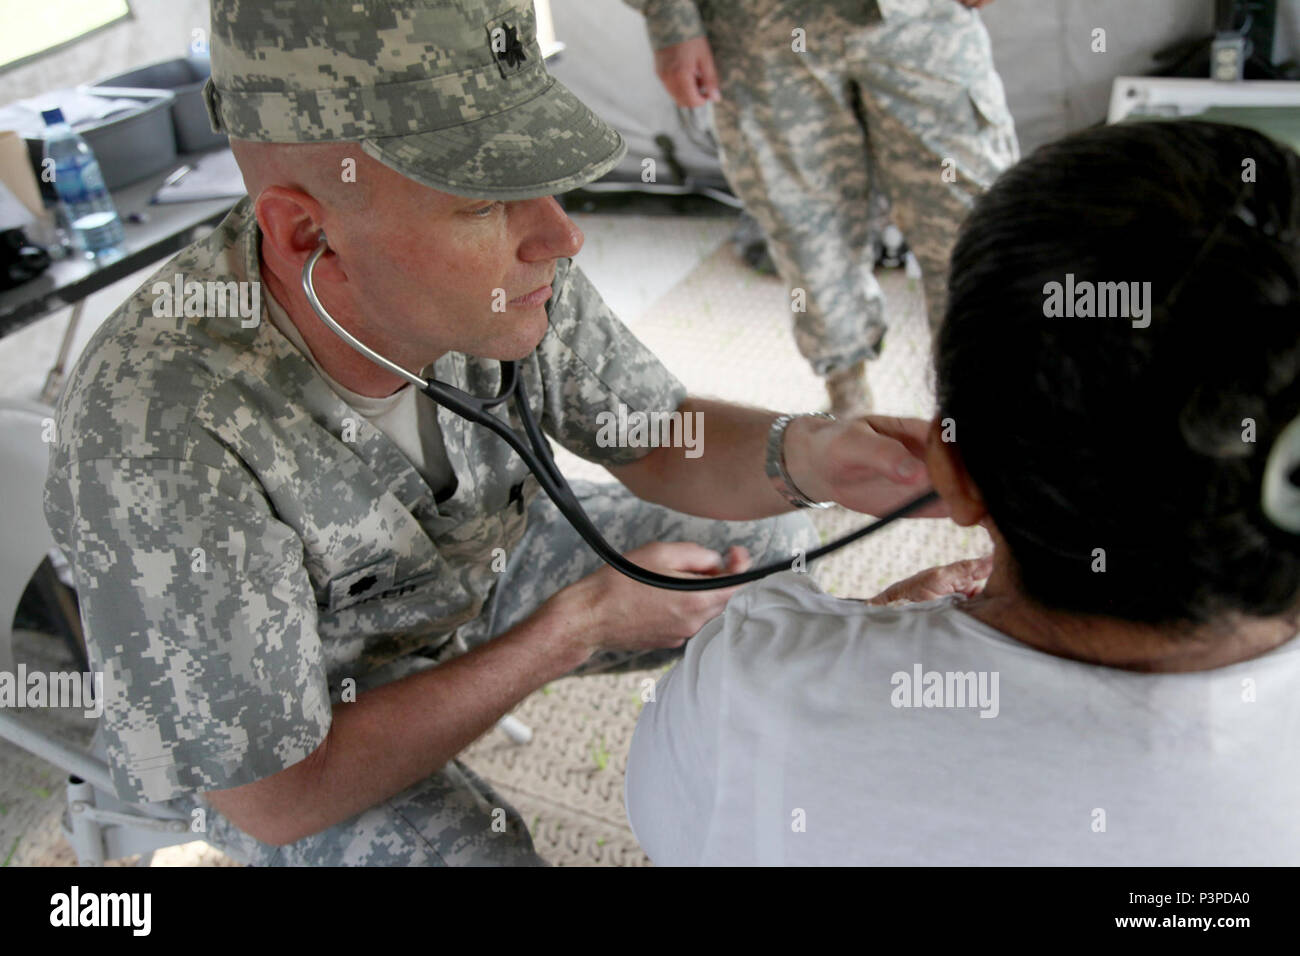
<point>590,365</point>
<point>672,766</point>
<point>669,21</point>
<point>199,613</point>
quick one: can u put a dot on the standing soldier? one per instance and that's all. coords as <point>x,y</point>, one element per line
<point>815,98</point>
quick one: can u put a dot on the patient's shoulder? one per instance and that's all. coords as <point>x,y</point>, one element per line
<point>791,597</point>
<point>787,621</point>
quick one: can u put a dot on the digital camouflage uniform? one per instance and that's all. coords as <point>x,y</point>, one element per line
<point>243,542</point>
<point>898,87</point>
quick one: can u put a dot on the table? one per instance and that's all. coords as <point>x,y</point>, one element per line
<point>168,229</point>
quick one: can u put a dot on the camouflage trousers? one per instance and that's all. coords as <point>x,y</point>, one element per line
<point>912,108</point>
<point>447,818</point>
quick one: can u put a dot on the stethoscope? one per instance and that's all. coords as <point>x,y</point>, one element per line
<point>542,465</point>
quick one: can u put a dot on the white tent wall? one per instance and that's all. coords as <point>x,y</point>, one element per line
<point>1055,82</point>
<point>157,30</point>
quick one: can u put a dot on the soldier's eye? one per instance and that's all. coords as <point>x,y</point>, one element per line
<point>484,211</point>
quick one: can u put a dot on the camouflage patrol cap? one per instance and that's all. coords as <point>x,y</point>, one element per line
<point>451,93</point>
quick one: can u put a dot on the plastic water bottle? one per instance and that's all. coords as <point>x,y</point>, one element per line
<point>96,228</point>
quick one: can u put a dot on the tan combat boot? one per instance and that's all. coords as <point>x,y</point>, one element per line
<point>849,392</point>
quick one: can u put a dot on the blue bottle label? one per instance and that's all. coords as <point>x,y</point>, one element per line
<point>79,182</point>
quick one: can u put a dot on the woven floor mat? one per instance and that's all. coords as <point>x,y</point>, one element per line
<point>567,782</point>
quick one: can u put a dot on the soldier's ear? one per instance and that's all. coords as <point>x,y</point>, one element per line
<point>291,224</point>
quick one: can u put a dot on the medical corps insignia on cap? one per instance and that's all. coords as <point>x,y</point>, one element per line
<point>507,46</point>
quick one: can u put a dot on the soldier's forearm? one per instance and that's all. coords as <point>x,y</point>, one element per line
<point>399,733</point>
<point>726,478</point>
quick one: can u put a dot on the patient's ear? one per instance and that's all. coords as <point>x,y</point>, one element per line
<point>949,476</point>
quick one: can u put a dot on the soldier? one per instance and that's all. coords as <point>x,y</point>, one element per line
<point>308,587</point>
<point>808,100</point>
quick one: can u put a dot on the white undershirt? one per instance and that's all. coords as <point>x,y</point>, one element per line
<point>404,416</point>
<point>776,740</point>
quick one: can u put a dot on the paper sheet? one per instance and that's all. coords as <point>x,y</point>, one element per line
<point>214,176</point>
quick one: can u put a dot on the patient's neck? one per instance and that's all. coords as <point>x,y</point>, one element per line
<point>1115,643</point>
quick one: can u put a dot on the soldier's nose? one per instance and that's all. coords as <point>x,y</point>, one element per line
<point>553,235</point>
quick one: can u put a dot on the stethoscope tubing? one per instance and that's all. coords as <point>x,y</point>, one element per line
<point>540,462</point>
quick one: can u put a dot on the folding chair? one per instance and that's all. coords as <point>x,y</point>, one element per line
<point>98,825</point>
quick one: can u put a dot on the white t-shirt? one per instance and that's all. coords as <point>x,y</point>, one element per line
<point>407,417</point>
<point>797,730</point>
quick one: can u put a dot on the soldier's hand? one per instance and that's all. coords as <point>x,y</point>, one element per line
<point>613,612</point>
<point>872,464</point>
<point>688,72</point>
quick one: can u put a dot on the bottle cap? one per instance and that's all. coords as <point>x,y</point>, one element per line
<point>52,117</point>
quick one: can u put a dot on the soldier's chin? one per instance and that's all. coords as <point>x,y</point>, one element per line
<point>528,331</point>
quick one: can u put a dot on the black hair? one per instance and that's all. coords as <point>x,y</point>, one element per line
<point>1091,433</point>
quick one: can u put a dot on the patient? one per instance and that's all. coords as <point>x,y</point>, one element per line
<point>1125,690</point>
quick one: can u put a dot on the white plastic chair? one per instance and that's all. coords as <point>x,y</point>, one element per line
<point>98,825</point>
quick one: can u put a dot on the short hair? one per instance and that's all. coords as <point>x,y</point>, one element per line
<point>1146,443</point>
<point>315,168</point>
